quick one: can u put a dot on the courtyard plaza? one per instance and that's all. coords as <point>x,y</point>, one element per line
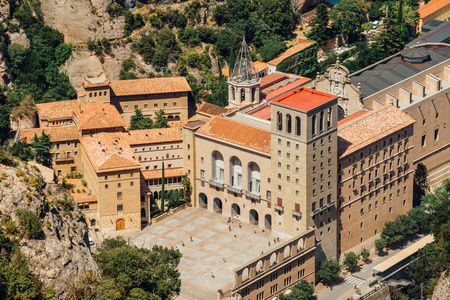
<point>212,243</point>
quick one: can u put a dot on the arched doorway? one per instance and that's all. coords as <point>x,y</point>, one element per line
<point>217,205</point>
<point>155,195</point>
<point>254,218</point>
<point>235,210</point>
<point>268,221</point>
<point>341,113</point>
<point>93,222</point>
<point>202,201</point>
<point>120,224</point>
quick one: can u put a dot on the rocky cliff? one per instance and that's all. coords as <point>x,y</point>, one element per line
<point>62,251</point>
<point>80,20</point>
<point>442,289</point>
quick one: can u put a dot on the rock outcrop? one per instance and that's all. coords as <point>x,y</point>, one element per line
<point>62,252</point>
<point>80,20</point>
<point>442,289</point>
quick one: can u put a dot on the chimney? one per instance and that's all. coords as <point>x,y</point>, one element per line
<point>432,83</point>
<point>418,89</point>
<point>404,95</point>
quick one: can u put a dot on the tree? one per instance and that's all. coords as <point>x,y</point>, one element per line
<point>392,38</point>
<point>138,121</point>
<point>187,188</point>
<point>347,16</point>
<point>365,253</point>
<point>350,260</point>
<point>126,268</point>
<point>160,120</point>
<point>420,186</point>
<point>438,203</point>
<point>328,271</point>
<point>22,150</point>
<point>271,49</point>
<point>29,223</point>
<point>320,32</point>
<point>42,146</point>
<point>301,291</point>
<point>380,244</point>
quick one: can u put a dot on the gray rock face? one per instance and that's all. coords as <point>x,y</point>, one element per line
<point>442,289</point>
<point>80,20</point>
<point>5,10</point>
<point>62,253</point>
<point>20,38</point>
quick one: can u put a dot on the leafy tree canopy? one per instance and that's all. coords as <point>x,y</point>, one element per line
<point>301,291</point>
<point>320,32</point>
<point>347,16</point>
<point>328,271</point>
<point>42,146</point>
<point>350,260</point>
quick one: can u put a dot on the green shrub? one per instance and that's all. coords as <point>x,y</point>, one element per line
<point>29,223</point>
<point>35,182</point>
<point>375,281</point>
<point>65,204</point>
<point>13,27</point>
<point>20,173</point>
<point>10,225</point>
<point>78,191</point>
<point>48,225</point>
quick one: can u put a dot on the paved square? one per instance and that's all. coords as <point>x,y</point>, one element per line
<point>212,243</point>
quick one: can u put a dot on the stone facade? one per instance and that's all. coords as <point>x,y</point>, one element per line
<point>279,270</point>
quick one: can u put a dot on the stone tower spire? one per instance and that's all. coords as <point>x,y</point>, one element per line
<point>243,83</point>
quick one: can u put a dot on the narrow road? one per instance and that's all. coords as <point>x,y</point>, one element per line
<point>344,287</point>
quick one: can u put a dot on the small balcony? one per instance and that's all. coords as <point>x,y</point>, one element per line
<point>64,159</point>
<point>215,184</point>
<point>233,189</point>
<point>279,208</point>
<point>296,214</point>
<point>315,212</point>
<point>252,195</point>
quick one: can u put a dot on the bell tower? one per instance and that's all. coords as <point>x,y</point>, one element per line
<point>243,83</point>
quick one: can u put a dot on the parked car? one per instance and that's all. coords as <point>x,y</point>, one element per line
<point>375,24</point>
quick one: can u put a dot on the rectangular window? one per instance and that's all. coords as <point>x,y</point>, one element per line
<point>165,103</point>
<point>131,183</point>
<point>269,195</point>
<point>436,134</point>
<point>145,105</point>
<point>119,185</point>
<point>119,207</point>
<point>202,174</point>
<point>423,140</point>
<point>174,103</point>
<point>125,107</point>
<point>119,195</point>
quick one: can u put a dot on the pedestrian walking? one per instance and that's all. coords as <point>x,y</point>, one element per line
<point>182,243</point>
<point>254,230</point>
<point>235,235</point>
<point>224,260</point>
<point>229,228</point>
<point>268,243</point>
<point>191,238</point>
<point>212,274</point>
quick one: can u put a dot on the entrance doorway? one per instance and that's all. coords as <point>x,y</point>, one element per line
<point>120,224</point>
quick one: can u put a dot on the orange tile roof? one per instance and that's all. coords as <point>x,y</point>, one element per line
<point>263,113</point>
<point>93,115</point>
<point>57,133</point>
<point>57,110</point>
<point>368,128</point>
<point>259,66</point>
<point>151,136</point>
<point>150,86</point>
<point>83,198</point>
<point>109,152</point>
<point>302,44</point>
<point>156,174</point>
<point>287,88</point>
<point>351,117</point>
<point>304,99</point>
<point>210,109</point>
<point>271,79</point>
<point>226,72</point>
<point>431,7</point>
<point>238,133</point>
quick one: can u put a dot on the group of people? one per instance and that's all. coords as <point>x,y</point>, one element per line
<point>182,244</point>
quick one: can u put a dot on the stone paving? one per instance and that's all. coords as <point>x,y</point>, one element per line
<point>212,242</point>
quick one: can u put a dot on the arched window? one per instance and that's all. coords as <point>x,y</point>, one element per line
<point>235,172</point>
<point>280,120</point>
<point>329,118</point>
<point>314,125</point>
<point>288,123</point>
<point>217,166</point>
<point>254,178</point>
<point>297,126</point>
<point>321,121</point>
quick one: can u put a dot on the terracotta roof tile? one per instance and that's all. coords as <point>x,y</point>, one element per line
<point>263,113</point>
<point>93,115</point>
<point>351,117</point>
<point>370,127</point>
<point>271,79</point>
<point>302,44</point>
<point>150,136</point>
<point>150,86</point>
<point>287,88</point>
<point>156,174</point>
<point>226,72</point>
<point>83,198</point>
<point>57,133</point>
<point>57,110</point>
<point>109,152</point>
<point>304,99</point>
<point>431,7</point>
<point>237,133</point>
<point>259,66</point>
<point>211,110</point>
